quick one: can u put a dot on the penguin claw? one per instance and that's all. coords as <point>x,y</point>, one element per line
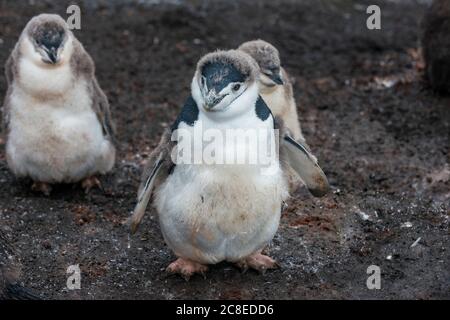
<point>243,266</point>
<point>186,277</point>
<point>203,274</point>
<point>262,270</point>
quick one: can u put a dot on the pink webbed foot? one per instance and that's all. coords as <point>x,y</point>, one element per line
<point>258,262</point>
<point>186,268</point>
<point>43,187</point>
<point>89,183</point>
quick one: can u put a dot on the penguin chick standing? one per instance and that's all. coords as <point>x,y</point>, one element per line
<point>436,45</point>
<point>274,84</point>
<point>56,118</point>
<point>210,213</point>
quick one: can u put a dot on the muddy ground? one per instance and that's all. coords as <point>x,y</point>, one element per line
<point>379,133</point>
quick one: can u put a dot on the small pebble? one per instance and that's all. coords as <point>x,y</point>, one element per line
<point>406,224</point>
<point>46,244</point>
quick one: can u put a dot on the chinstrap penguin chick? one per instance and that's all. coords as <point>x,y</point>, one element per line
<point>56,117</point>
<point>10,272</point>
<point>436,45</point>
<point>210,213</point>
<point>277,91</point>
<point>274,84</point>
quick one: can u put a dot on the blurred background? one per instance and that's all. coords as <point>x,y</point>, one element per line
<point>380,134</point>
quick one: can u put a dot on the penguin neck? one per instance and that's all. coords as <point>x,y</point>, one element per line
<point>265,89</point>
<point>44,81</point>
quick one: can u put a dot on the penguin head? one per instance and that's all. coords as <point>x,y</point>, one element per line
<point>47,39</point>
<point>222,80</point>
<point>268,59</point>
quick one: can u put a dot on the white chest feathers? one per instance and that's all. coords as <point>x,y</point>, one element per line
<point>211,215</point>
<point>42,81</point>
<point>55,137</point>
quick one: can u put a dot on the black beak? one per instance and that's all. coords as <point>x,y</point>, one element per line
<point>212,99</point>
<point>275,77</point>
<point>52,54</point>
<point>211,103</point>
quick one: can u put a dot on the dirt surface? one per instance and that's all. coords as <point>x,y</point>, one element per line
<point>380,135</point>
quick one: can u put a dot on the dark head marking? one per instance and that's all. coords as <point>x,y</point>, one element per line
<point>49,35</point>
<point>47,30</point>
<point>223,67</point>
<point>218,75</point>
<point>223,76</point>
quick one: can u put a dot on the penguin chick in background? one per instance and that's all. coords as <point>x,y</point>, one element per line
<point>436,45</point>
<point>10,287</point>
<point>275,85</point>
<point>277,91</point>
<point>56,118</point>
<point>209,211</point>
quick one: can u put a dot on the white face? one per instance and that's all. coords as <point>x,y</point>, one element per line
<point>229,102</point>
<point>44,57</point>
<point>219,101</point>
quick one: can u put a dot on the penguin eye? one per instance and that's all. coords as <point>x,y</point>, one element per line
<point>236,87</point>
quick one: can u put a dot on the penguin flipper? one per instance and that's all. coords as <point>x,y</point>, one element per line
<point>144,196</point>
<point>298,156</point>
<point>159,166</point>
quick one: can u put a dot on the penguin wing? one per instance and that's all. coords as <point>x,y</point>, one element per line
<point>9,72</point>
<point>9,69</point>
<point>297,155</point>
<point>160,163</point>
<point>101,108</point>
<point>158,168</point>
<point>82,64</point>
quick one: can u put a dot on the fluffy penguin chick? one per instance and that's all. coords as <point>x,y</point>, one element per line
<point>10,287</point>
<point>213,212</point>
<point>436,45</point>
<point>56,118</point>
<point>274,84</point>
